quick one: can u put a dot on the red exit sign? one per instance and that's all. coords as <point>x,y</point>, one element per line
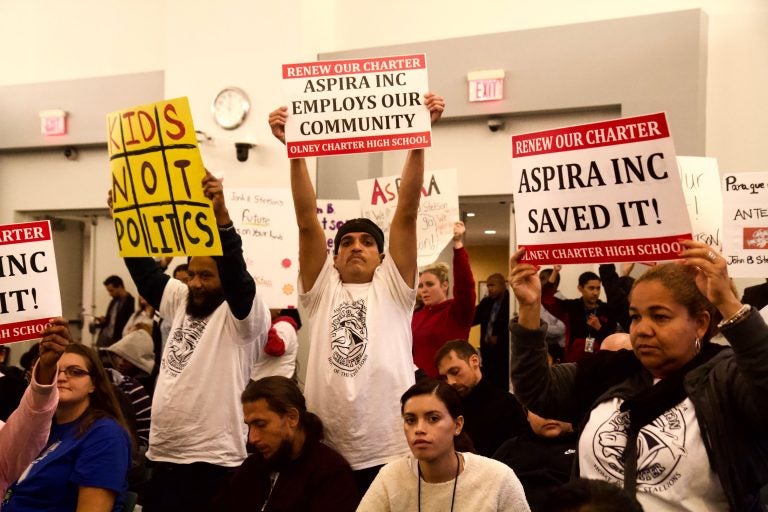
<point>53,122</point>
<point>486,85</point>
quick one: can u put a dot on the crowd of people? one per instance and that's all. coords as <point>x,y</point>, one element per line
<point>192,402</point>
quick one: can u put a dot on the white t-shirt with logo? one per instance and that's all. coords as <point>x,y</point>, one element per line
<point>360,361</point>
<point>196,411</point>
<point>673,471</point>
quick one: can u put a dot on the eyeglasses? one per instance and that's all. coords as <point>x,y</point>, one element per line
<point>74,372</point>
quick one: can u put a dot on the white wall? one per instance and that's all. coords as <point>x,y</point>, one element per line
<point>738,49</point>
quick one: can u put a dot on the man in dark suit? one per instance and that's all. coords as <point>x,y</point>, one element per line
<point>756,295</point>
<point>119,311</point>
<point>493,316</point>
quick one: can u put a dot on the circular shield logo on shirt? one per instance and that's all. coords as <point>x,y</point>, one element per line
<point>349,337</point>
<point>660,446</point>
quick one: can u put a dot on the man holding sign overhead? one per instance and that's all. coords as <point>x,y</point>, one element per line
<point>360,303</point>
<point>218,323</point>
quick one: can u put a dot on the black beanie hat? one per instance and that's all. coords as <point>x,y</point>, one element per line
<point>359,226</point>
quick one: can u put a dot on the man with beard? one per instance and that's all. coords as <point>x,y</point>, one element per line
<point>218,329</point>
<point>491,415</point>
<point>360,303</point>
<point>290,469</point>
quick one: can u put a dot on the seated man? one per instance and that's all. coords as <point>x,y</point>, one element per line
<point>291,470</point>
<point>542,458</point>
<point>491,415</point>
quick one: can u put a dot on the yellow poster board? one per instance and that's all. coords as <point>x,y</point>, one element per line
<point>158,205</point>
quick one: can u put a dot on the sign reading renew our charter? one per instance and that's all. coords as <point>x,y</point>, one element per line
<point>29,284</point>
<point>356,106</point>
<point>600,192</point>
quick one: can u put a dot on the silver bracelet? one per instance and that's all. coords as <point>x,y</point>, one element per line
<point>737,317</point>
<point>228,227</point>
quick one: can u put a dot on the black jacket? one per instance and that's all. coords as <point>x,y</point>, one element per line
<point>729,393</point>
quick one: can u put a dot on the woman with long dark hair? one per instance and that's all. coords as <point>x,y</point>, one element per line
<point>438,475</point>
<point>84,465</point>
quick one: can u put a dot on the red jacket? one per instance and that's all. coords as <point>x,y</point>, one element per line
<point>432,326</point>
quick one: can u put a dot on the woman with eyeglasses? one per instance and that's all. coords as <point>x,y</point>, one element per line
<point>83,467</point>
<point>26,431</point>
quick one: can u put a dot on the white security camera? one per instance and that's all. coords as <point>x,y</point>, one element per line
<point>495,124</point>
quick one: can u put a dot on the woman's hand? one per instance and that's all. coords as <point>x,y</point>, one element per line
<point>711,274</point>
<point>56,337</point>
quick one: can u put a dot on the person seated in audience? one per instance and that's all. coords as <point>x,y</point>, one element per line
<point>617,341</point>
<point>583,495</point>
<point>441,319</point>
<point>542,458</point>
<point>27,429</point>
<point>85,463</point>
<point>279,357</point>
<point>134,356</point>
<point>491,415</point>
<point>438,475</point>
<point>679,422</point>
<point>291,469</point>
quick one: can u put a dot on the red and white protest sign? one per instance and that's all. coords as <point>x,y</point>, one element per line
<point>438,209</point>
<point>356,106</point>
<point>29,285</point>
<point>599,192</point>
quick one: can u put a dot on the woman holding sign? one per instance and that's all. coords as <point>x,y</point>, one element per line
<point>22,438</point>
<point>678,421</point>
<point>441,319</point>
<point>84,465</point>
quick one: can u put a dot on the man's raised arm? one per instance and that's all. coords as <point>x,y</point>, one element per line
<point>237,285</point>
<point>312,243</point>
<point>402,231</point>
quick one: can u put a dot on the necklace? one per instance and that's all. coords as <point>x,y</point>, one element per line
<point>455,480</point>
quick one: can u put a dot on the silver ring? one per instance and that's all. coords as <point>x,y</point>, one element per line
<point>711,256</point>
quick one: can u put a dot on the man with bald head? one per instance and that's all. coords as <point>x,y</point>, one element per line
<point>493,316</point>
<point>218,329</point>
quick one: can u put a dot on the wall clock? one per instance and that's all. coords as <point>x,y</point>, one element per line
<point>230,108</point>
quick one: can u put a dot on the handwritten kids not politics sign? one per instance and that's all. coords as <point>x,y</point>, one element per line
<point>600,192</point>
<point>356,106</point>
<point>158,204</point>
<point>29,285</point>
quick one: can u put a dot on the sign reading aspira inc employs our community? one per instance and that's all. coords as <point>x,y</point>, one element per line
<point>356,106</point>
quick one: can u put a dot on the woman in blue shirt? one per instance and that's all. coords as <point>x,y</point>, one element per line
<point>88,454</point>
